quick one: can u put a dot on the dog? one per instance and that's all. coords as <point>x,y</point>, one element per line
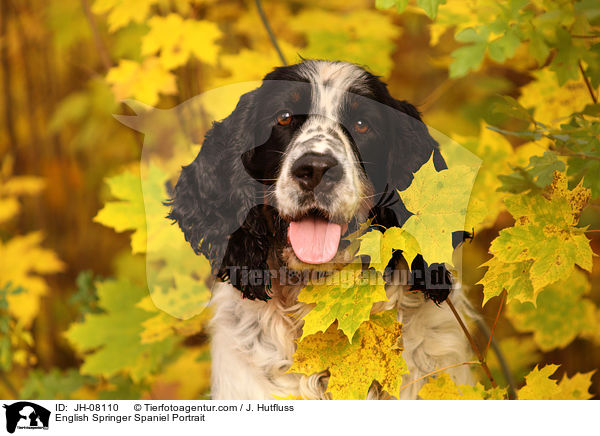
<point>319,149</point>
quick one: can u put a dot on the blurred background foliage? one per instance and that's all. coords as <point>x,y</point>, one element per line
<point>76,320</point>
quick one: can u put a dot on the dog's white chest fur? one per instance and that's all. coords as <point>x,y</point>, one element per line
<point>253,344</point>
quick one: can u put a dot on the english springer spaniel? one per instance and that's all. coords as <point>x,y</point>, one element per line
<point>318,149</point>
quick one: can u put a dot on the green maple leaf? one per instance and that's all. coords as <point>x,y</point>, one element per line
<point>443,387</point>
<point>430,7</point>
<point>128,213</point>
<point>505,46</point>
<point>553,251</point>
<point>346,295</point>
<point>561,313</point>
<point>544,244</point>
<point>542,168</point>
<point>469,57</point>
<point>112,340</point>
<point>438,202</point>
<point>380,246</point>
<point>514,277</point>
<point>139,206</point>
<point>352,366</point>
<point>539,386</point>
<point>386,4</point>
<point>54,384</point>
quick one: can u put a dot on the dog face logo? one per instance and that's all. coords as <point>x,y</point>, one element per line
<point>26,415</point>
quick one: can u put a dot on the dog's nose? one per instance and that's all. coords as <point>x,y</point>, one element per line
<point>314,169</point>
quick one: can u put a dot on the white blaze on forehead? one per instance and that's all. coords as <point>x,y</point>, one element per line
<point>330,81</point>
<point>321,133</point>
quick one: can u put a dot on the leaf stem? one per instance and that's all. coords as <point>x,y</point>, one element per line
<point>567,152</point>
<point>429,374</point>
<point>502,299</point>
<point>473,344</point>
<point>587,83</point>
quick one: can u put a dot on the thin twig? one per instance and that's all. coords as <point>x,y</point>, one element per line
<point>510,380</point>
<point>435,95</point>
<point>487,347</point>
<point>587,83</point>
<point>473,344</point>
<point>585,36</point>
<point>470,362</point>
<point>100,46</point>
<point>265,22</point>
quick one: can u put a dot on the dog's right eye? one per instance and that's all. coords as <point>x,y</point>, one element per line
<point>284,118</point>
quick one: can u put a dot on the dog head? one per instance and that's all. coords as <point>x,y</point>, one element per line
<point>311,154</point>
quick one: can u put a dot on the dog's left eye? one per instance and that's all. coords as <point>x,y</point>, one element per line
<point>361,126</point>
<point>284,118</point>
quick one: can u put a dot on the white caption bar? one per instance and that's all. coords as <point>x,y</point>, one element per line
<point>310,418</point>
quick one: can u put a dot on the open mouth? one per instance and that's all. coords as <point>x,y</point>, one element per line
<point>314,238</point>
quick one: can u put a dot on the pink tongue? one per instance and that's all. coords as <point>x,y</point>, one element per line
<point>314,240</point>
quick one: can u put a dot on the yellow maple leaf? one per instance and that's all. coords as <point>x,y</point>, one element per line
<point>553,103</point>
<point>14,187</point>
<point>380,246</point>
<point>346,295</point>
<point>178,39</point>
<point>143,81</point>
<point>252,65</point>
<point>123,12</point>
<point>539,386</point>
<point>438,202</point>
<point>375,354</point>
<point>24,262</point>
<point>443,387</point>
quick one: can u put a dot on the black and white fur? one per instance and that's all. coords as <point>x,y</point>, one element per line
<point>235,200</point>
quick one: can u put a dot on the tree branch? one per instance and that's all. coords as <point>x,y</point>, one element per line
<point>265,22</point>
<point>495,323</point>
<point>473,344</point>
<point>100,46</point>
<point>587,83</point>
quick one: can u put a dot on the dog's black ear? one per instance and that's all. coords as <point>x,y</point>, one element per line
<point>214,196</point>
<point>411,146</point>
